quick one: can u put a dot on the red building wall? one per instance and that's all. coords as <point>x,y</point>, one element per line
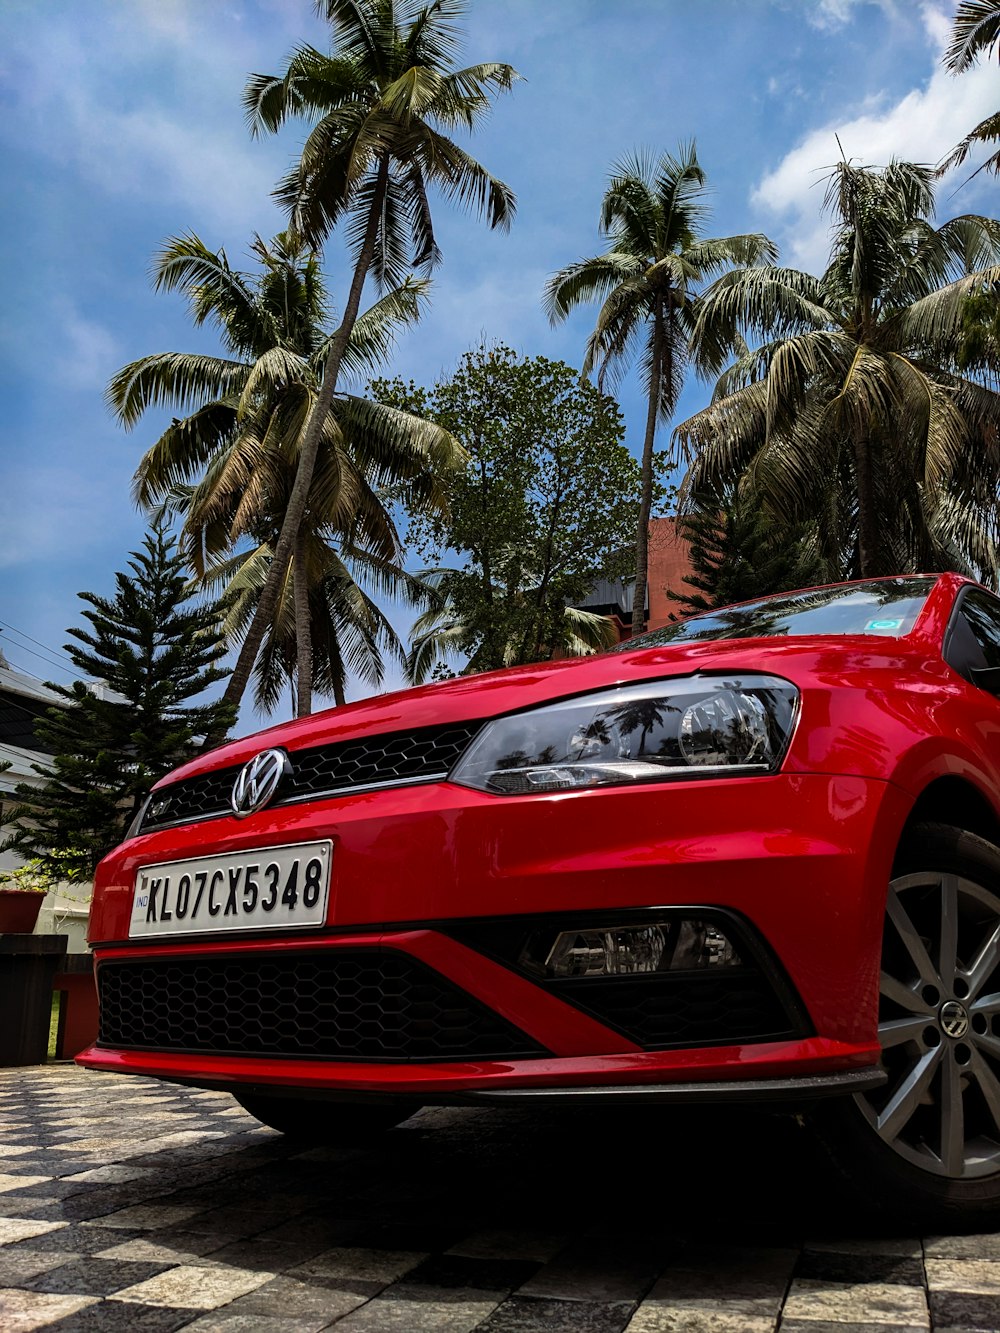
<point>669,561</point>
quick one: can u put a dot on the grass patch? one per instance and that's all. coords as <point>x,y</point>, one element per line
<point>54,1024</point>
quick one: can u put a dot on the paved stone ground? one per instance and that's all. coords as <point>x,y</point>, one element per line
<point>127,1204</point>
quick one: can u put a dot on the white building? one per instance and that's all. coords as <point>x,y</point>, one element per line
<point>23,699</point>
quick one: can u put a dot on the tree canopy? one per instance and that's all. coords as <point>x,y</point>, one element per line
<point>149,653</point>
<point>545,506</point>
<point>843,401</point>
<point>228,466</point>
<point>384,103</point>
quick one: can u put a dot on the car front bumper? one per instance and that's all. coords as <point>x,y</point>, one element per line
<point>802,860</point>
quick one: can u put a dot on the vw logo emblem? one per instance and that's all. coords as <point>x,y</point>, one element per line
<point>954,1019</point>
<point>258,781</point>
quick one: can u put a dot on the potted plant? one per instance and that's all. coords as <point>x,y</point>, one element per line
<point>22,892</point>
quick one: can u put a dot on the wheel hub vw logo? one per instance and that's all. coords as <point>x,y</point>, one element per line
<point>954,1019</point>
<point>258,781</point>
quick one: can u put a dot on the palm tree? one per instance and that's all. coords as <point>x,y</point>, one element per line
<point>229,465</point>
<point>652,215</point>
<point>976,29</point>
<point>851,410</point>
<point>443,632</point>
<point>383,100</point>
<point>350,633</point>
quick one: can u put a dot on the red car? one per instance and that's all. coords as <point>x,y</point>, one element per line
<point>672,872</point>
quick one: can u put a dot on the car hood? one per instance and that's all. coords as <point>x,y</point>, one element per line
<point>470,698</point>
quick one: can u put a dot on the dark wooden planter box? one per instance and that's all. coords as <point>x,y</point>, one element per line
<point>28,965</point>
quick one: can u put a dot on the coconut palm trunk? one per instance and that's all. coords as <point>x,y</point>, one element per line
<point>384,99</point>
<point>303,642</point>
<point>647,282</point>
<point>303,479</point>
<point>646,495</point>
<point>867,528</point>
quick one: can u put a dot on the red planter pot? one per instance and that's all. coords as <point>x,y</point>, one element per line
<point>19,911</point>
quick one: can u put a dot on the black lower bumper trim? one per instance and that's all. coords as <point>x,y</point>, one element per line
<point>734,1090</point>
<point>778,1091</point>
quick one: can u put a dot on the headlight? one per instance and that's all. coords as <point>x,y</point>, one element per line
<point>136,823</point>
<point>696,726</point>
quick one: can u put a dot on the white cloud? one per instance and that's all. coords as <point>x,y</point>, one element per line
<point>89,354</point>
<point>922,126</point>
<point>143,102</point>
<point>831,14</point>
<point>211,177</point>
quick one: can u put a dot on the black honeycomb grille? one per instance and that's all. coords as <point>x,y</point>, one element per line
<point>411,756</point>
<point>686,1009</point>
<point>343,1004</point>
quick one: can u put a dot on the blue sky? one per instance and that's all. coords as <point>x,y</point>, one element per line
<point>121,125</point>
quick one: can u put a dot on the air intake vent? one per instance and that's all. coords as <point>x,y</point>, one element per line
<point>338,1004</point>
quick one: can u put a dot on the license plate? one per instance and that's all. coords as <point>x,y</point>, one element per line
<point>268,888</point>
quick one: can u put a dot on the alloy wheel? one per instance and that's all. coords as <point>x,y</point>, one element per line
<point>939,1026</point>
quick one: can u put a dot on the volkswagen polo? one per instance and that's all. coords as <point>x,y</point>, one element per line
<point>751,857</point>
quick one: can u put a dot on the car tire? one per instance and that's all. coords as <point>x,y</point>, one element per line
<point>927,1145</point>
<point>322,1122</point>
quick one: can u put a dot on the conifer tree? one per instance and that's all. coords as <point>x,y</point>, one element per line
<point>738,553</point>
<point>147,652</point>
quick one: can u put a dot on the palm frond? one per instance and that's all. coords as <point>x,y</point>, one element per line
<point>987,131</point>
<point>588,280</point>
<point>183,450</point>
<point>172,379</point>
<point>975,29</point>
<point>460,177</point>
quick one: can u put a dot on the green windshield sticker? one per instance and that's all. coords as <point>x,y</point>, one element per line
<point>879,626</point>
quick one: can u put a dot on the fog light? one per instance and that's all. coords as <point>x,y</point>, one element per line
<point>613,951</point>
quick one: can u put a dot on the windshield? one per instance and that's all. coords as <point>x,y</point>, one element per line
<point>885,607</point>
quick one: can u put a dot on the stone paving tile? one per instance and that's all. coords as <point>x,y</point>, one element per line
<point>90,1276</point>
<point>733,1284</point>
<point>128,1205</point>
<point>114,1316</point>
<point>20,1265</point>
<point>147,1217</point>
<point>960,1312</point>
<point>109,1175</point>
<point>972,1275</point>
<point>77,1239</point>
<point>963,1247</point>
<point>316,1298</point>
<point>421,1310</point>
<point>193,1287</point>
<point>163,1247</point>
<point>837,1326</point>
<point>831,1266</point>
<point>380,1266</point>
<point>860,1301</point>
<point>725,1317</point>
<point>10,1183</point>
<point>18,1228</point>
<point>22,1310</point>
<point>520,1314</point>
<point>227,1321</point>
